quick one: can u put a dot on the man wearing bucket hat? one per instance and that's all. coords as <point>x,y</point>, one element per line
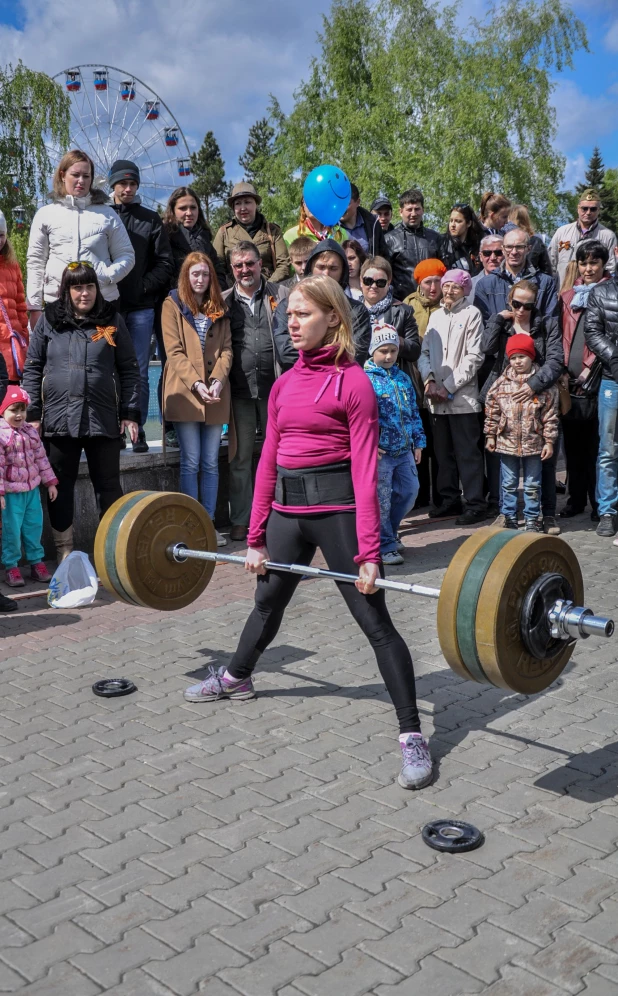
<point>250,225</point>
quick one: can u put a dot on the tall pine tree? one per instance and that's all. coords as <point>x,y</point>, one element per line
<point>257,154</point>
<point>597,178</point>
<point>208,171</point>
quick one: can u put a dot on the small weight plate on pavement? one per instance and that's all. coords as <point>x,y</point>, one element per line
<point>110,688</point>
<point>452,836</point>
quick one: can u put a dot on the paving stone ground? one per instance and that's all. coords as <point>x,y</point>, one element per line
<point>151,846</point>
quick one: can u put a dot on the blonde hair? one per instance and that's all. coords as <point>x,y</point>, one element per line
<point>328,295</point>
<point>377,263</point>
<point>570,276</point>
<point>519,216</point>
<point>70,159</point>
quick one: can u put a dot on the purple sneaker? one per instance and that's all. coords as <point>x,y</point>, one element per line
<point>215,686</point>
<point>417,769</point>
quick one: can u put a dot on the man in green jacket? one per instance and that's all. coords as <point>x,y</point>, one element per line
<point>249,225</point>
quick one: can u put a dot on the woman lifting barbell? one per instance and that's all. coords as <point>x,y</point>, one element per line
<point>316,486</point>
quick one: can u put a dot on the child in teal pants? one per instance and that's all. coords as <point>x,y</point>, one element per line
<point>23,467</point>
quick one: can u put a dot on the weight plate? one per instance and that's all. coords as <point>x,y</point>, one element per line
<point>452,835</point>
<point>468,600</point>
<point>534,624</point>
<point>501,649</point>
<point>111,688</point>
<point>105,552</point>
<point>148,576</point>
<point>449,597</point>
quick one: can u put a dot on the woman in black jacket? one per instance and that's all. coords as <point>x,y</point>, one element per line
<point>377,287</point>
<point>521,316</point>
<point>459,247</point>
<point>82,351</point>
<point>188,231</point>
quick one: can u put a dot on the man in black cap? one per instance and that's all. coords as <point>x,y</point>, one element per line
<point>150,277</point>
<point>363,227</point>
<point>383,210</point>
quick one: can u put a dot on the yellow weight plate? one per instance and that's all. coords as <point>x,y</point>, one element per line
<point>104,551</point>
<point>502,653</point>
<point>449,597</point>
<point>146,573</point>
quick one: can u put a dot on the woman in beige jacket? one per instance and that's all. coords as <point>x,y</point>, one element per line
<point>196,392</point>
<point>450,358</point>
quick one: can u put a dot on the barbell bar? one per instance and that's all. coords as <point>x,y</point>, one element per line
<point>510,607</point>
<point>567,620</point>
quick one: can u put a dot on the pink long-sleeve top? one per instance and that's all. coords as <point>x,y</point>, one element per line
<point>320,412</point>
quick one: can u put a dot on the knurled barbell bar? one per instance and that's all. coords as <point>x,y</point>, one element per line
<point>509,608</point>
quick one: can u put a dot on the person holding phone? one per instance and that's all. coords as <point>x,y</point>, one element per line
<point>196,391</point>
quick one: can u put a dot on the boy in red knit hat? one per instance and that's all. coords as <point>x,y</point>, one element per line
<point>23,467</point>
<point>522,429</point>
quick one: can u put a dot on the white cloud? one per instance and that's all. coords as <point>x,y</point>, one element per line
<point>213,63</point>
<point>611,38</point>
<point>574,171</point>
<point>582,120</point>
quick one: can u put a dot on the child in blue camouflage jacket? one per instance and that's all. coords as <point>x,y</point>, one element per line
<point>401,432</point>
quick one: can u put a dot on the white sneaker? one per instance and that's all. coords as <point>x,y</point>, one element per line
<point>417,768</point>
<point>401,547</point>
<point>392,558</point>
<point>221,540</point>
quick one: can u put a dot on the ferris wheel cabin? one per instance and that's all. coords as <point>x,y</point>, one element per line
<point>152,110</point>
<point>171,137</point>
<point>184,167</point>
<point>127,90</point>
<point>100,80</point>
<point>73,81</point>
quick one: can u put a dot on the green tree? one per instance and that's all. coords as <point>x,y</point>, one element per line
<point>208,171</point>
<point>595,174</point>
<point>597,177</point>
<point>33,109</point>
<point>258,152</point>
<point>402,94</point>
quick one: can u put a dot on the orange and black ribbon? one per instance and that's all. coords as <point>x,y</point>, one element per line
<point>106,332</point>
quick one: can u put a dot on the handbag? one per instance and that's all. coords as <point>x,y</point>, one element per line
<point>19,344</point>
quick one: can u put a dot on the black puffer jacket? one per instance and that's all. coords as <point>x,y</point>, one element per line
<point>79,387</point>
<point>361,326</point>
<point>152,274</point>
<point>407,247</point>
<point>185,240</point>
<point>547,338</point>
<point>601,329</point>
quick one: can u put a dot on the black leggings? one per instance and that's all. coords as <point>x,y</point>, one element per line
<point>294,539</point>
<point>103,456</point>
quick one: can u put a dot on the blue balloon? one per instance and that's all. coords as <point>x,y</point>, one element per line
<point>326,193</point>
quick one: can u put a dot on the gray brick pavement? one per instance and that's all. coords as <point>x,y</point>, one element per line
<point>150,847</point>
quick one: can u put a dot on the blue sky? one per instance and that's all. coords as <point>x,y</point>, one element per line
<point>216,67</point>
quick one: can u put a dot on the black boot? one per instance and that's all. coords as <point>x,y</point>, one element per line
<point>141,446</point>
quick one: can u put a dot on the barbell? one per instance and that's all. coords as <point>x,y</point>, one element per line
<point>509,608</point>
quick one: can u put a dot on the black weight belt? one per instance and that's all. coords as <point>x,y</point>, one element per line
<point>306,486</point>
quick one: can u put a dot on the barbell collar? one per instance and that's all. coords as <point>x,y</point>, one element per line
<point>181,553</point>
<point>572,622</point>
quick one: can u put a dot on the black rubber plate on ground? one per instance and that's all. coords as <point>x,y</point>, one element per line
<point>109,688</point>
<point>452,836</point>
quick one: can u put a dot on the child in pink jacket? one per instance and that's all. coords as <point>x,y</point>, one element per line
<point>23,467</point>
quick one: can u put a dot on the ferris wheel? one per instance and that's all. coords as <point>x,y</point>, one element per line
<point>116,116</point>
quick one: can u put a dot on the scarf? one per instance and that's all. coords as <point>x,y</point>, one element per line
<point>581,295</point>
<point>378,309</point>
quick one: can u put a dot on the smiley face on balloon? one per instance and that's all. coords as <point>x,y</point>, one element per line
<point>326,193</point>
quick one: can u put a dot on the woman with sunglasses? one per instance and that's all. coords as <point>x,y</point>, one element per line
<point>78,216</point>
<point>459,246</point>
<point>377,286</point>
<point>522,316</point>
<point>82,351</point>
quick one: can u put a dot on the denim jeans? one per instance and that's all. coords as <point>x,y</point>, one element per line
<point>509,485</point>
<point>397,491</point>
<point>199,461</point>
<point>607,463</point>
<point>140,325</point>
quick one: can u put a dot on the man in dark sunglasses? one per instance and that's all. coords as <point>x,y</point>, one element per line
<point>563,246</point>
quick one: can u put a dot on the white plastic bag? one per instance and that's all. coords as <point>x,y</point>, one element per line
<point>74,584</point>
